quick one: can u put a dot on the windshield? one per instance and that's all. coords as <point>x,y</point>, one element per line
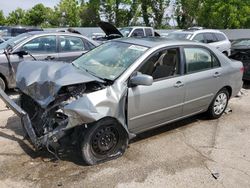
<point>179,35</point>
<point>245,42</point>
<point>14,41</point>
<point>110,60</point>
<point>125,31</point>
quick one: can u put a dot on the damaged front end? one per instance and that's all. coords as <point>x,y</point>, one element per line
<point>56,97</point>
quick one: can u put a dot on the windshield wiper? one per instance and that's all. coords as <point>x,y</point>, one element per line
<point>93,74</point>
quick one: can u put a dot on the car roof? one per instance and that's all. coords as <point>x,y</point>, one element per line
<point>151,42</point>
<point>54,33</point>
<point>198,31</point>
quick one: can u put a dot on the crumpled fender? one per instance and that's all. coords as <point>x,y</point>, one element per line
<point>91,107</point>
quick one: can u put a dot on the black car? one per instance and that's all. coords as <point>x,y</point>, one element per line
<point>12,31</point>
<point>240,50</point>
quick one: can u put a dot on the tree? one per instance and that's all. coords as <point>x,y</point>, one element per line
<point>69,10</point>
<point>37,15</point>
<point>230,14</point>
<point>16,17</point>
<point>89,13</point>
<point>187,12</point>
<point>2,18</point>
<point>158,9</point>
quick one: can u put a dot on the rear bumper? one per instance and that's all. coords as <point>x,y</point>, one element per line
<point>25,120</point>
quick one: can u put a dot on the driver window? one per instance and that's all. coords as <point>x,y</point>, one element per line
<point>162,64</point>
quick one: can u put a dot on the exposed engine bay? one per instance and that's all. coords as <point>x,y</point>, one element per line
<point>51,119</point>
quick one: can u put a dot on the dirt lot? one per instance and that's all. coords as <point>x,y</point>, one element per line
<point>191,153</point>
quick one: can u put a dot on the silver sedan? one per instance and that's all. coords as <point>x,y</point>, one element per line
<point>120,89</point>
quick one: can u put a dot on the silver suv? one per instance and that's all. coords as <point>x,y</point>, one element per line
<point>209,36</point>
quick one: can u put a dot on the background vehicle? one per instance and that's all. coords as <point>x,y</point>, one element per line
<point>122,88</point>
<point>136,31</point>
<point>41,45</point>
<point>240,50</point>
<point>12,31</point>
<point>1,40</point>
<point>208,36</point>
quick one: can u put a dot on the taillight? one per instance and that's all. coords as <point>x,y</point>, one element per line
<point>242,69</point>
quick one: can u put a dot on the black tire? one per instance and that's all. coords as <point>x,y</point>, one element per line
<point>2,84</point>
<point>103,141</point>
<point>215,111</point>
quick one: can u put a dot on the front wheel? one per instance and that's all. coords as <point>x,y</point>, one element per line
<point>219,104</point>
<point>103,141</point>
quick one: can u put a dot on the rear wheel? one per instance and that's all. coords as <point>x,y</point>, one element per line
<point>219,104</point>
<point>103,141</point>
<point>2,84</point>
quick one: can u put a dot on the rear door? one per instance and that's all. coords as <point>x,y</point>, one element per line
<point>152,106</point>
<point>71,47</point>
<point>202,79</point>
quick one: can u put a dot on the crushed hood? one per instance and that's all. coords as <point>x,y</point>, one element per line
<point>109,29</point>
<point>41,80</point>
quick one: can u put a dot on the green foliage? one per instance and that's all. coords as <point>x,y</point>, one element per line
<point>87,13</point>
<point>2,18</point>
<point>37,15</point>
<point>223,14</point>
<point>69,10</point>
<point>16,17</point>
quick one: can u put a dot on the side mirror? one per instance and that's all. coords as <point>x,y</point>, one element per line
<point>141,79</point>
<point>21,53</point>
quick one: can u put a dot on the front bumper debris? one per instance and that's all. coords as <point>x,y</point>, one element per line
<point>25,120</point>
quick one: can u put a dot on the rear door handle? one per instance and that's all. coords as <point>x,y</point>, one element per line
<point>179,84</point>
<point>49,58</point>
<point>217,74</point>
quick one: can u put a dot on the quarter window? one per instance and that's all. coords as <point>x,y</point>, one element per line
<point>162,64</point>
<point>199,59</point>
<point>44,44</point>
<point>220,36</point>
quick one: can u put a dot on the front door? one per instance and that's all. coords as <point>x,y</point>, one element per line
<point>152,106</point>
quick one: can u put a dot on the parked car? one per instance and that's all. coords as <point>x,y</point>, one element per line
<point>1,40</point>
<point>136,31</point>
<point>208,36</point>
<point>39,45</point>
<point>119,89</point>
<point>12,31</point>
<point>240,50</point>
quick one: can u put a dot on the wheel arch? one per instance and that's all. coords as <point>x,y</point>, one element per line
<point>229,89</point>
<point>5,80</point>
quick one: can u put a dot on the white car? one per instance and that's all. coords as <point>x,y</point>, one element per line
<point>209,36</point>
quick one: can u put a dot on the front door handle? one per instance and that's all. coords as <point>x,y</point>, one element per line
<point>49,58</point>
<point>217,74</point>
<point>179,84</point>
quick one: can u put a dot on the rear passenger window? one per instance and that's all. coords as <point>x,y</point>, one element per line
<point>148,32</point>
<point>199,38</point>
<point>71,44</point>
<point>210,37</point>
<point>199,59</point>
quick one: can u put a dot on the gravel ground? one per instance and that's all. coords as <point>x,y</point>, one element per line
<point>192,153</point>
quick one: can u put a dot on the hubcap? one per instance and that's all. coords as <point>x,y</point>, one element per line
<point>104,140</point>
<point>220,103</point>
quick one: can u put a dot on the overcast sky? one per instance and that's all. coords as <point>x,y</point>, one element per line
<point>9,5</point>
